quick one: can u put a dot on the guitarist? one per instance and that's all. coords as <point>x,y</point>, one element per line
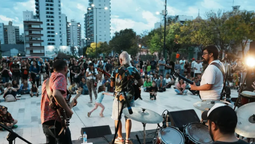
<point>50,118</point>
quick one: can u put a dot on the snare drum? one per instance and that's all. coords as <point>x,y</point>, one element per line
<point>197,133</point>
<point>247,97</point>
<point>170,135</point>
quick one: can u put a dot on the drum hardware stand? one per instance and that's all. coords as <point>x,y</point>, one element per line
<point>239,93</point>
<point>12,135</point>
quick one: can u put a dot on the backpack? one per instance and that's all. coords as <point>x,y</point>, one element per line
<point>128,81</point>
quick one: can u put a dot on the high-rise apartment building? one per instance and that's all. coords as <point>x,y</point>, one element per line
<point>9,34</point>
<point>49,13</point>
<point>63,34</point>
<point>98,21</point>
<point>2,33</point>
<point>33,34</point>
<point>74,33</point>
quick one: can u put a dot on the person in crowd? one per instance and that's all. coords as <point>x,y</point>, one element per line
<point>16,71</point>
<point>91,74</point>
<point>161,83</point>
<point>212,80</point>
<point>148,68</point>
<point>76,71</point>
<point>192,74</point>
<point>34,91</point>
<point>5,73</point>
<point>108,66</point>
<point>72,88</point>
<point>24,71</point>
<point>155,77</point>
<point>100,74</point>
<point>198,68</point>
<point>10,93</point>
<point>71,64</point>
<point>177,67</point>
<point>180,87</point>
<point>24,87</point>
<point>153,91</point>
<point>169,81</point>
<point>182,63</point>
<point>147,84</point>
<point>6,118</point>
<point>168,68</point>
<point>16,86</point>
<point>107,83</point>
<point>34,72</point>
<point>153,64</point>
<point>101,93</point>
<point>222,121</point>
<point>83,86</point>
<point>161,64</point>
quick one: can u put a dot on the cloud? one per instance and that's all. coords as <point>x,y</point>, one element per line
<point>81,8</point>
<point>5,19</point>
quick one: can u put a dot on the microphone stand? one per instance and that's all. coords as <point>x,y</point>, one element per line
<point>12,135</point>
<point>119,118</point>
<point>237,103</point>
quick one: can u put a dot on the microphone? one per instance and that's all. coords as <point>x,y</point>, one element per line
<point>185,79</point>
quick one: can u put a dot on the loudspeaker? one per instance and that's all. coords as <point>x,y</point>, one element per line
<point>181,118</point>
<point>97,131</point>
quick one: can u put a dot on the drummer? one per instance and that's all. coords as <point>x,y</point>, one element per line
<point>222,121</point>
<point>211,84</point>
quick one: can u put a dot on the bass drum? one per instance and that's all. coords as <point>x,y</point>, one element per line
<point>197,133</point>
<point>170,135</point>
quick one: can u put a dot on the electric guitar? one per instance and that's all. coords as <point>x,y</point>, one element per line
<point>62,113</point>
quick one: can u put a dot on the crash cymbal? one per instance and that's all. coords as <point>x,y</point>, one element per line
<point>248,94</point>
<point>206,105</point>
<point>246,120</point>
<point>143,115</point>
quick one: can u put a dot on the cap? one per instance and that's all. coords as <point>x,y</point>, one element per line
<point>222,115</point>
<point>193,58</point>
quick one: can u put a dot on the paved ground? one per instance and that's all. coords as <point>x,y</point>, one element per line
<point>27,112</point>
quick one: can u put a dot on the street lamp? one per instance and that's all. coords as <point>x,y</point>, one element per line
<point>164,13</point>
<point>93,6</point>
<point>140,49</point>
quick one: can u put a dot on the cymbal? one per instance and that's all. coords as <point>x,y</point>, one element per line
<point>248,94</point>
<point>207,104</point>
<point>246,120</point>
<point>143,115</point>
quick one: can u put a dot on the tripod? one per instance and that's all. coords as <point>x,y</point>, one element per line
<point>12,135</point>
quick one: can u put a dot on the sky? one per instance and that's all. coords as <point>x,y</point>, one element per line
<point>140,15</point>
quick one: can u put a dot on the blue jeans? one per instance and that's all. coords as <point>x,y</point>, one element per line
<point>85,90</point>
<point>182,72</point>
<point>5,79</point>
<point>24,91</point>
<point>161,72</point>
<point>167,71</point>
<point>179,92</point>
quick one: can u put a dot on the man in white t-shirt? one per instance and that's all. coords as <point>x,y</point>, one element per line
<point>198,68</point>
<point>193,67</point>
<point>211,83</point>
<point>182,63</point>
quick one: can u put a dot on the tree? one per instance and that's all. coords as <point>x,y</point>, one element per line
<point>125,40</point>
<point>104,49</point>
<point>242,28</point>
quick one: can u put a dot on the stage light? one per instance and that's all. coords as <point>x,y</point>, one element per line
<point>250,61</point>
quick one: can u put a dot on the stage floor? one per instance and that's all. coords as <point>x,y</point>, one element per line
<point>27,112</point>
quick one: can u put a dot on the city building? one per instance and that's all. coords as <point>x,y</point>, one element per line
<point>33,33</point>
<point>12,49</point>
<point>98,21</point>
<point>49,13</point>
<point>63,34</point>
<point>9,34</point>
<point>2,33</point>
<point>74,33</point>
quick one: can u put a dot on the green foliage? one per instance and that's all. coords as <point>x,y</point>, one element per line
<point>125,40</point>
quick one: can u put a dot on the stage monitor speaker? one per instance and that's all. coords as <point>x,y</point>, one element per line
<point>97,131</point>
<point>181,118</point>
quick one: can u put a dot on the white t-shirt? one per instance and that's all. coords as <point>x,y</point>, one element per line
<point>193,65</point>
<point>212,75</point>
<point>198,67</point>
<point>167,80</point>
<point>89,72</point>
<point>182,63</point>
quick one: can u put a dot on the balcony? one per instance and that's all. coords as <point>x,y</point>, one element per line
<point>34,29</point>
<point>34,35</point>
<point>37,54</point>
<point>35,48</point>
<point>35,41</point>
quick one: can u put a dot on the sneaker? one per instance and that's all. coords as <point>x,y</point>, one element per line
<point>119,140</point>
<point>89,114</point>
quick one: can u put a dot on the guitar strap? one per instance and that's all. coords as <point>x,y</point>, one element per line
<point>49,94</point>
<point>224,78</point>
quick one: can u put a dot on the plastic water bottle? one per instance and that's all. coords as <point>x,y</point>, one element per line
<point>84,136</point>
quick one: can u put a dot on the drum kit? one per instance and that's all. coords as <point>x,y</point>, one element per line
<point>197,133</point>
<point>193,132</point>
